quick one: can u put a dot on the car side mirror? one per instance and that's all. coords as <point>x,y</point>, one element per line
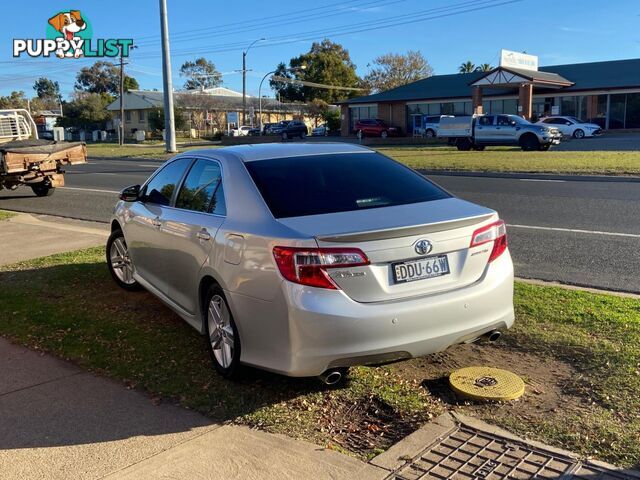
<point>130,194</point>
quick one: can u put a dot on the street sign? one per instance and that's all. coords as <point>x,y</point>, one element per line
<point>518,60</point>
<point>232,117</point>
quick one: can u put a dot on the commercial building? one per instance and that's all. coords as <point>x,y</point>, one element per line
<point>606,93</point>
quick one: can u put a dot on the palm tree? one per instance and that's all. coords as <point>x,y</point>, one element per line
<point>467,67</point>
<point>485,67</point>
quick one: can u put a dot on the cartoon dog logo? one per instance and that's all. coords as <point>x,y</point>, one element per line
<point>68,24</point>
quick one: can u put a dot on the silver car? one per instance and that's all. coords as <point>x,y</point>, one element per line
<point>306,259</point>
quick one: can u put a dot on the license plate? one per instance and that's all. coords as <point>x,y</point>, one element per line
<point>428,267</point>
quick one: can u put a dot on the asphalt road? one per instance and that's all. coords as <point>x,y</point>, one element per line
<point>579,232</point>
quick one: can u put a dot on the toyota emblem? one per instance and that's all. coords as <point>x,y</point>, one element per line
<point>423,247</point>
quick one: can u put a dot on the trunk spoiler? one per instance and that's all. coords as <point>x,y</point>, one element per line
<point>404,231</point>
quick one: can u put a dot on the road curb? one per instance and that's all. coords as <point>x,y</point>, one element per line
<point>533,176</point>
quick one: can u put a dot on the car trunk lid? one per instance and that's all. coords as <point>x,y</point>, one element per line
<point>389,237</point>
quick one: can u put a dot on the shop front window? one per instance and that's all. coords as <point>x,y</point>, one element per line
<point>616,111</point>
<point>632,117</point>
<point>446,108</point>
<point>434,109</point>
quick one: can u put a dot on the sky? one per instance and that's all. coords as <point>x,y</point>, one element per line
<point>447,32</point>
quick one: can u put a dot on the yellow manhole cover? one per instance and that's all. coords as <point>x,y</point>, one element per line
<point>486,383</point>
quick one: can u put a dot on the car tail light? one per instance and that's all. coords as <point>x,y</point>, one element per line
<point>495,232</point>
<point>308,266</point>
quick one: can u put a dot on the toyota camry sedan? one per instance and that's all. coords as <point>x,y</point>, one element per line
<point>306,259</point>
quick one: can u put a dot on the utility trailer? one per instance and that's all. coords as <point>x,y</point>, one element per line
<point>27,160</point>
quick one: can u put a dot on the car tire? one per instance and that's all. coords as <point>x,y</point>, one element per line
<point>222,336</point>
<point>429,133</point>
<point>579,133</point>
<point>384,134</point>
<point>119,262</point>
<point>285,137</point>
<point>464,144</point>
<point>529,142</point>
<point>43,189</point>
<point>303,135</point>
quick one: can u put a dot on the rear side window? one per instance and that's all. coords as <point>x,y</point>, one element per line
<point>161,187</point>
<point>315,185</point>
<point>202,189</point>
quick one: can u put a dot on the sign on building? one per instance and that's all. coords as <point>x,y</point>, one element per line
<point>518,60</point>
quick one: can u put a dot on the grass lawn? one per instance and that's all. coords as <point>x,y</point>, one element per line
<point>144,150</point>
<point>4,215</point>
<point>578,352</point>
<point>449,158</point>
<point>515,160</point>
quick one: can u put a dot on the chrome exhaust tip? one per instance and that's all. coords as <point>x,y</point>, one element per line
<point>493,335</point>
<point>331,376</point>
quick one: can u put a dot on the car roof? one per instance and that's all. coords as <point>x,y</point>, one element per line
<point>265,151</point>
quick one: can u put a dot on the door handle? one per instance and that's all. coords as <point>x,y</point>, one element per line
<point>156,222</point>
<point>203,235</point>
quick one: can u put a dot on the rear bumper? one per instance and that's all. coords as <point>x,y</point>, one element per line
<point>325,328</point>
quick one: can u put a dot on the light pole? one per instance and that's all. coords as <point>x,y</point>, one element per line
<point>295,69</point>
<point>244,80</point>
<point>169,123</point>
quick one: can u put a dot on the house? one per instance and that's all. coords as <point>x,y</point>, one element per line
<point>208,109</point>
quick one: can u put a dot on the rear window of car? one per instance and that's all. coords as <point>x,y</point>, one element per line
<point>316,185</point>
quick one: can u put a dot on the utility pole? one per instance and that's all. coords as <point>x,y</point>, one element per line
<point>169,123</point>
<point>121,126</point>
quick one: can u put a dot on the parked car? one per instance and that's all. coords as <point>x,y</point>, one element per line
<point>266,128</point>
<point>320,131</point>
<point>478,131</point>
<point>286,257</point>
<point>431,123</point>
<point>572,126</point>
<point>241,131</point>
<point>254,132</point>
<point>375,128</point>
<point>278,128</point>
<point>294,128</point>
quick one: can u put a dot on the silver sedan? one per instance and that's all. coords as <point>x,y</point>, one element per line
<point>306,259</point>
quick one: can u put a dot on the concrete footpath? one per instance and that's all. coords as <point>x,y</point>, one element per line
<point>58,421</point>
<point>28,236</point>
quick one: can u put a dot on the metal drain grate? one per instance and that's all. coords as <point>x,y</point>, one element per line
<point>467,453</point>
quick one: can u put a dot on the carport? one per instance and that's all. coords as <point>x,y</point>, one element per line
<point>509,78</point>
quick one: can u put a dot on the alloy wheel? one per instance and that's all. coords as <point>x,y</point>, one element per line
<point>121,261</point>
<point>221,333</point>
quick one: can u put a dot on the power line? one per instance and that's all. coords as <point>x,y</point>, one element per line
<point>224,32</point>
<point>408,19</point>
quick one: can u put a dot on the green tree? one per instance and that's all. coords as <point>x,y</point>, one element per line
<point>326,62</point>
<point>17,99</point>
<point>467,67</point>
<point>86,110</point>
<point>156,119</point>
<point>130,83</point>
<point>200,74</point>
<point>485,67</point>
<point>393,70</point>
<point>47,89</point>
<point>102,77</point>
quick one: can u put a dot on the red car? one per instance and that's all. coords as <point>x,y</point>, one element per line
<point>375,128</point>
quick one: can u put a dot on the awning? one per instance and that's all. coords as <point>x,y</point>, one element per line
<point>501,77</point>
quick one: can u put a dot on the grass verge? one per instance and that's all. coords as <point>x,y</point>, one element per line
<point>4,215</point>
<point>449,158</point>
<point>586,398</point>
<point>515,160</point>
<point>149,151</point>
